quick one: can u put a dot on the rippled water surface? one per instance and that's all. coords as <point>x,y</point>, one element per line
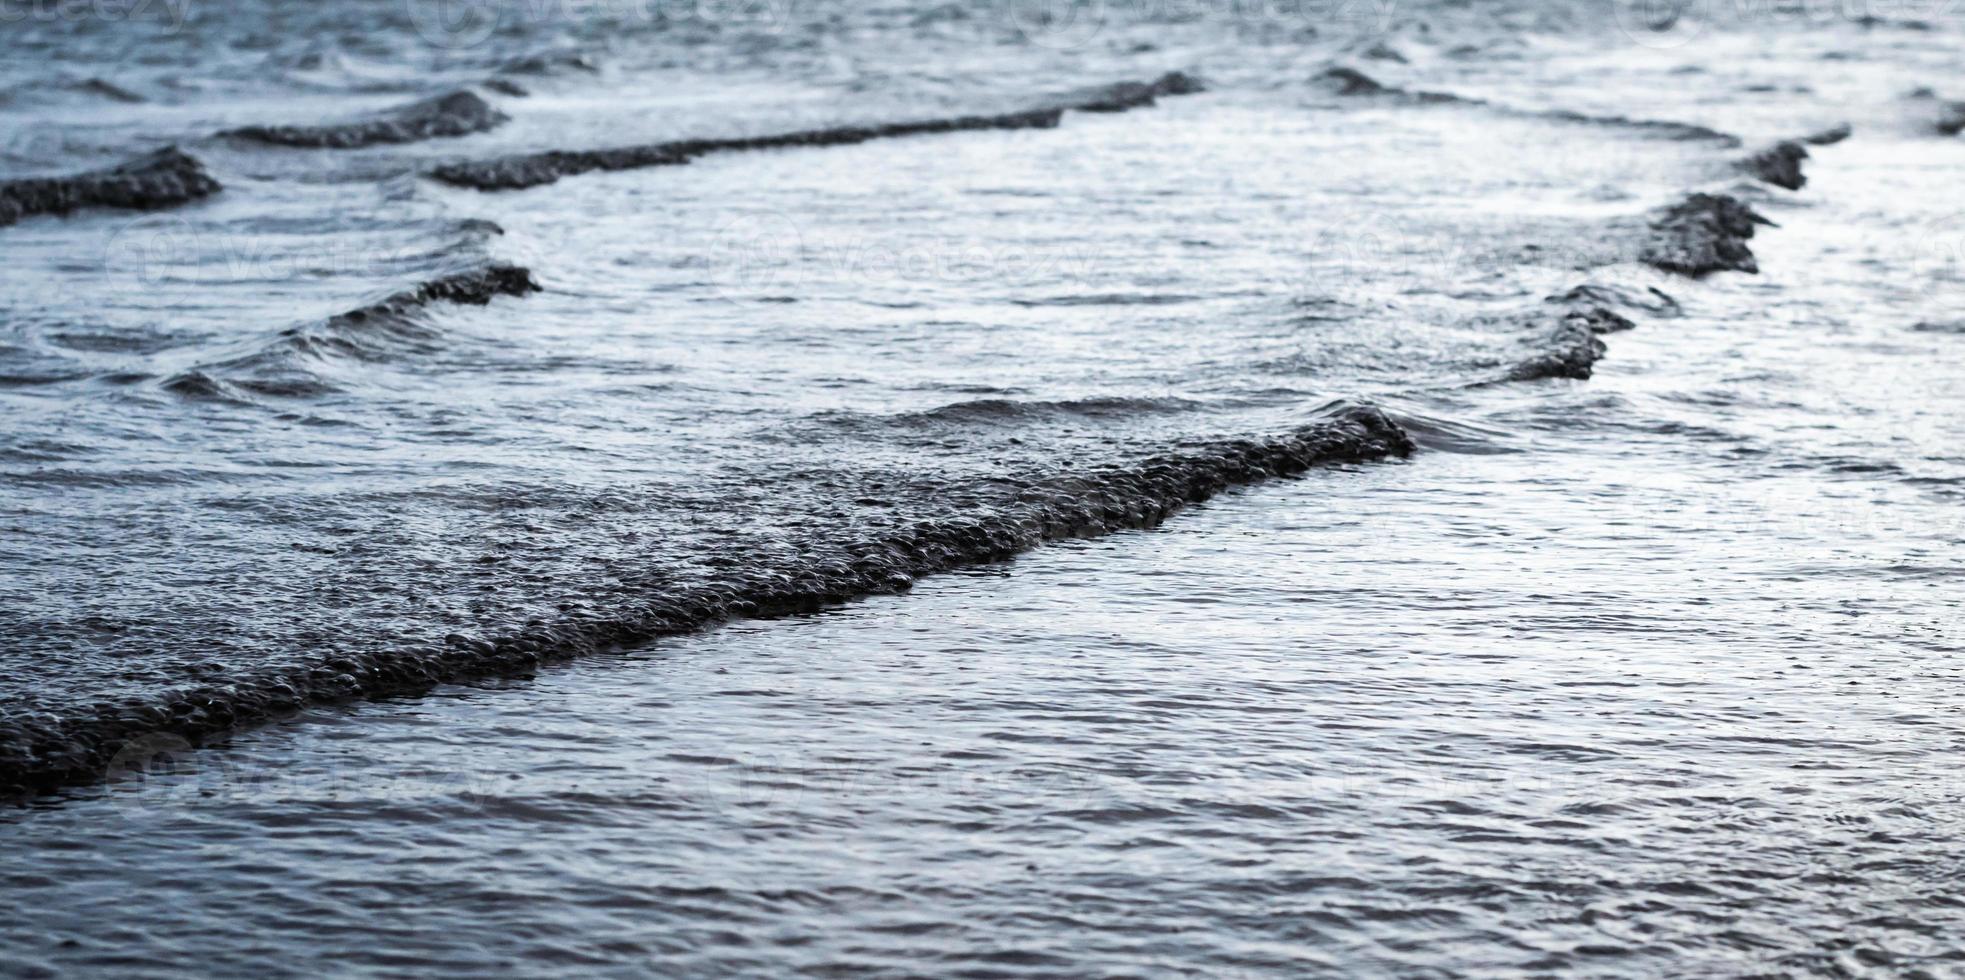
<point>1650,671</point>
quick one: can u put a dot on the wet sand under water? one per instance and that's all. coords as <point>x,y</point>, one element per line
<point>1329,726</point>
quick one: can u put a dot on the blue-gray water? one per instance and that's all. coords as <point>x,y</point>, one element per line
<point>1655,672</point>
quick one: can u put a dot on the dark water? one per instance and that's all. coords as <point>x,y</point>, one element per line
<point>1649,672</point>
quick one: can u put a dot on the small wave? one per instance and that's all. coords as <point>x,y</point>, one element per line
<point>40,753</point>
<point>166,178</point>
<point>536,169</point>
<point>377,331</point>
<point>1702,234</point>
<point>1436,433</point>
<point>1652,300</point>
<point>1779,164</point>
<point>992,410</point>
<point>31,379</point>
<point>109,90</point>
<point>1353,83</point>
<point>1109,299</point>
<point>1565,343</point>
<point>1126,96</point>
<point>198,385</point>
<point>990,413</point>
<point>456,114</point>
<point>1944,117</point>
<point>1572,350</point>
<point>106,340</point>
<point>1830,136</point>
<point>551,63</point>
<point>394,319</point>
<point>476,287</point>
<point>1666,128</point>
<point>305,386</point>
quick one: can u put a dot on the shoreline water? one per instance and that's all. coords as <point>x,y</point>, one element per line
<point>1675,533</point>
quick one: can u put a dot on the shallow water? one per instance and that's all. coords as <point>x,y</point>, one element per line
<point>1613,675</point>
<point>1329,726</point>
